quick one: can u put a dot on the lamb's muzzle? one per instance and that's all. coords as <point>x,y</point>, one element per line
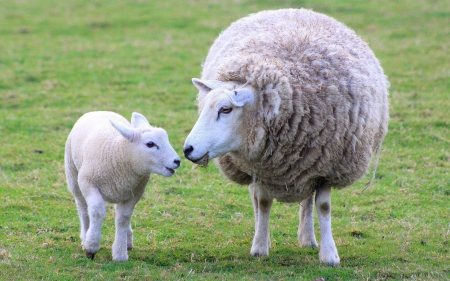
<point>176,163</point>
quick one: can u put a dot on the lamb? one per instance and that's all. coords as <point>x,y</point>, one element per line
<point>292,103</point>
<point>109,159</point>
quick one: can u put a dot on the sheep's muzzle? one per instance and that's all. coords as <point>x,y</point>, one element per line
<point>203,162</point>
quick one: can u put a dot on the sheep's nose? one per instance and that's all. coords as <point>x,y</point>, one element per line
<point>177,162</point>
<point>187,150</point>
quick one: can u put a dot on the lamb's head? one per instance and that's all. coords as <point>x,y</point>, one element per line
<point>148,148</point>
<point>219,128</point>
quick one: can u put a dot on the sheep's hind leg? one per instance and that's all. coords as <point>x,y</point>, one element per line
<point>97,213</point>
<point>328,253</point>
<point>305,233</point>
<point>123,241</point>
<point>262,204</point>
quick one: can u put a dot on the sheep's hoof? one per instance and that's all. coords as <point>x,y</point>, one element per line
<point>129,248</point>
<point>259,253</point>
<point>312,245</point>
<point>90,255</point>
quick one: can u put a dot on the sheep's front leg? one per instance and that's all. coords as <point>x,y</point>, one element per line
<point>305,233</point>
<point>123,241</point>
<point>262,204</point>
<point>328,253</point>
<point>97,213</point>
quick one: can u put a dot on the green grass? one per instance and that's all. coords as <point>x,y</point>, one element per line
<point>60,59</point>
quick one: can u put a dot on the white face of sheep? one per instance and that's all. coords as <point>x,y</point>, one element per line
<point>151,151</point>
<point>216,131</point>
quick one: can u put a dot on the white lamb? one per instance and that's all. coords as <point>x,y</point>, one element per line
<point>109,159</point>
<point>292,103</point>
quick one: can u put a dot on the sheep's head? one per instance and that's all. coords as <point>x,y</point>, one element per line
<point>219,127</point>
<point>150,150</point>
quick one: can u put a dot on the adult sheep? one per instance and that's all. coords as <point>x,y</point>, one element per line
<point>109,159</point>
<point>292,103</point>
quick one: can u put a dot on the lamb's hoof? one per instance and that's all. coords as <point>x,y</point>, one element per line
<point>90,255</point>
<point>329,256</point>
<point>331,261</point>
<point>258,255</point>
<point>259,252</point>
<point>332,264</point>
<point>129,249</point>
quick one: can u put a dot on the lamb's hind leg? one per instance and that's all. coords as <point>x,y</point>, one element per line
<point>328,253</point>
<point>79,200</point>
<point>84,217</point>
<point>97,213</point>
<point>262,204</point>
<point>305,233</point>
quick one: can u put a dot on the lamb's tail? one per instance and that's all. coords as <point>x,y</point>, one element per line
<point>374,168</point>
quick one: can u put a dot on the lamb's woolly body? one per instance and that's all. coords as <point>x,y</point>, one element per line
<point>106,165</point>
<point>321,101</point>
<point>107,159</point>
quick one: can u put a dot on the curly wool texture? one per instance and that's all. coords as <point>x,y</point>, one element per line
<point>321,101</point>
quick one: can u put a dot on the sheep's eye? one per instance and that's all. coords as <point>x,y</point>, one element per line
<point>225,110</point>
<point>151,144</point>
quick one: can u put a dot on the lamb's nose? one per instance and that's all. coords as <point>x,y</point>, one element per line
<point>187,150</point>
<point>177,162</point>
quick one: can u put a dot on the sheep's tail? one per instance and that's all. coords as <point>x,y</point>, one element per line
<point>374,168</point>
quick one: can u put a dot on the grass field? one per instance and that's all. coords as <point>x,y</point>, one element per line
<point>60,59</point>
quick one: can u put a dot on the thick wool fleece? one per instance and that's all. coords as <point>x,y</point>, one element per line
<point>321,101</point>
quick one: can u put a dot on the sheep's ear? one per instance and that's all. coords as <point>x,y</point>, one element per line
<point>127,132</point>
<point>241,96</point>
<point>138,120</point>
<point>206,86</point>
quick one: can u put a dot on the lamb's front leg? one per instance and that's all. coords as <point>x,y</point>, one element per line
<point>123,241</point>
<point>262,204</point>
<point>305,233</point>
<point>328,253</point>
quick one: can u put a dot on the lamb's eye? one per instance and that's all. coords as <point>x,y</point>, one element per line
<point>225,110</point>
<point>151,144</point>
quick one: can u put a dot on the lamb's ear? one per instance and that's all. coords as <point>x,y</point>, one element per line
<point>138,120</point>
<point>127,132</point>
<point>241,96</point>
<point>206,86</point>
